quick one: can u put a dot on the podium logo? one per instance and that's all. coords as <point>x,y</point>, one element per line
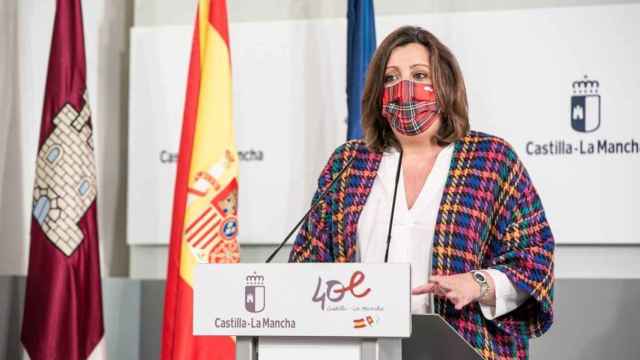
<point>334,290</point>
<point>361,323</point>
<point>254,293</point>
<point>585,105</point>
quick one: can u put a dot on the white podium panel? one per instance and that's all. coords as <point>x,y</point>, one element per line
<point>276,348</point>
<point>335,300</point>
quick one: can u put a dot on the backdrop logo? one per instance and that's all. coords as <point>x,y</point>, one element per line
<point>334,290</point>
<point>254,293</point>
<point>585,105</point>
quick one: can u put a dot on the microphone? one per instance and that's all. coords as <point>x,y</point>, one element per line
<point>313,206</point>
<point>393,208</point>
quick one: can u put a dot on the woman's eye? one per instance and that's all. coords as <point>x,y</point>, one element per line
<point>420,76</point>
<point>389,79</point>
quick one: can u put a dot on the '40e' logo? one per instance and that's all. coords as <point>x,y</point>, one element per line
<point>334,290</point>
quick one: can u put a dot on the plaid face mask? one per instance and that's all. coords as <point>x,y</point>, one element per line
<point>410,107</point>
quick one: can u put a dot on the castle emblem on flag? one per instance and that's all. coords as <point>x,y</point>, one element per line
<point>585,105</point>
<point>65,185</point>
<point>254,293</point>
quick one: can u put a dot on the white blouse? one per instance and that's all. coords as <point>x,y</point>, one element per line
<point>412,227</point>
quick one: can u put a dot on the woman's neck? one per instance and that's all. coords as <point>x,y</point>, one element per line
<point>428,146</point>
<point>422,144</point>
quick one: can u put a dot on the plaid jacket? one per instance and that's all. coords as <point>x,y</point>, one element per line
<point>490,217</point>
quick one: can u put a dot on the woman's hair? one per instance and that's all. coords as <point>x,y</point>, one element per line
<point>447,80</point>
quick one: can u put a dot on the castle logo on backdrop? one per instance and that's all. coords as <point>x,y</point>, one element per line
<point>254,293</point>
<point>585,118</point>
<point>585,105</point>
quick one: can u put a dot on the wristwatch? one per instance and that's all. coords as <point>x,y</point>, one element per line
<point>481,279</point>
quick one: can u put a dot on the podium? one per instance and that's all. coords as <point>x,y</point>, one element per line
<point>319,311</point>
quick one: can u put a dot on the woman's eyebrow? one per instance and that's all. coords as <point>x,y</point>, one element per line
<point>417,65</point>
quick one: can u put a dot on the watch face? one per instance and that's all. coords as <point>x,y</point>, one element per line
<point>479,276</point>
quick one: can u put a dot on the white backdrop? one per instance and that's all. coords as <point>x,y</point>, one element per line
<point>519,68</point>
<point>288,112</point>
<point>288,80</point>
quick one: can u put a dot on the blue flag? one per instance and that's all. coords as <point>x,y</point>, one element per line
<point>361,43</point>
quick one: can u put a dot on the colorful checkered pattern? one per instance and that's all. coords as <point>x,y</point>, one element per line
<point>490,217</point>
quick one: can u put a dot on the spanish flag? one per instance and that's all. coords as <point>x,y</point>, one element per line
<point>205,224</point>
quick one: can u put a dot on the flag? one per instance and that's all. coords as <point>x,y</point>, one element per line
<point>204,225</point>
<point>361,43</point>
<point>63,301</point>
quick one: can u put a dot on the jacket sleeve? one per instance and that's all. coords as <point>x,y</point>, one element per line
<point>313,242</point>
<point>521,246</point>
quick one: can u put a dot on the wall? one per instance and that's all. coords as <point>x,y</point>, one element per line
<point>10,178</point>
<point>7,75</point>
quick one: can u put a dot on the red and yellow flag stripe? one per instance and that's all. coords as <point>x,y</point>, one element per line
<point>204,227</point>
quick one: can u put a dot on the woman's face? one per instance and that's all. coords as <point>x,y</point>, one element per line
<point>411,62</point>
<point>408,62</point>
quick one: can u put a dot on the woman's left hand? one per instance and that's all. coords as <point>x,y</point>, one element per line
<point>460,289</point>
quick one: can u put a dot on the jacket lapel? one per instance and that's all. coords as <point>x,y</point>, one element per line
<point>443,261</point>
<point>356,187</point>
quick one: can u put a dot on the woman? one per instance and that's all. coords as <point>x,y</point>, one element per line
<point>466,215</point>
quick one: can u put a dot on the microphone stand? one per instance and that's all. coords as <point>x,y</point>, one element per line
<point>393,208</point>
<point>313,206</point>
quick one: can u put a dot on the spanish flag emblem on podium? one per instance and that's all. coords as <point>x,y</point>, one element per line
<point>205,225</point>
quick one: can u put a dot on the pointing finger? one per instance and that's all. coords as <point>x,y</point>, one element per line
<point>423,289</point>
